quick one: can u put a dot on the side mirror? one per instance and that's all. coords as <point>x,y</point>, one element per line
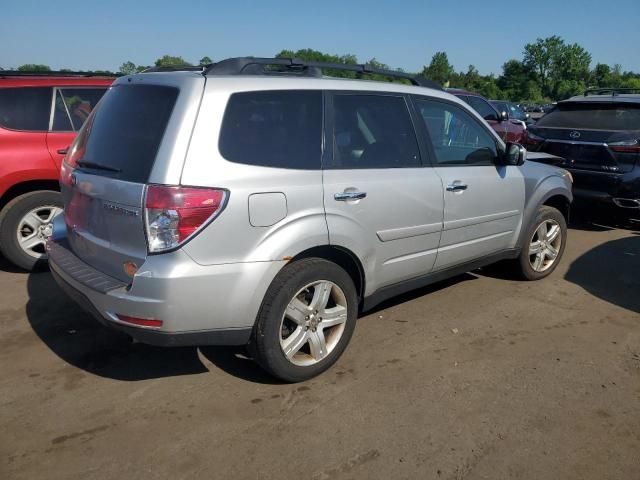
<point>514,154</point>
<point>527,116</point>
<point>503,116</point>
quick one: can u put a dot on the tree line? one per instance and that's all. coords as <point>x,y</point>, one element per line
<point>550,69</point>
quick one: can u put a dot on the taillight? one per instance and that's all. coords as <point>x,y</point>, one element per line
<point>626,146</point>
<point>173,214</point>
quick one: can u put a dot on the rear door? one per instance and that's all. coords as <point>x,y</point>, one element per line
<point>71,107</point>
<point>483,202</point>
<point>137,135</point>
<point>380,200</point>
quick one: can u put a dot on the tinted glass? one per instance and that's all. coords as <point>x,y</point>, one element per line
<point>516,112</point>
<point>373,131</point>
<point>457,138</point>
<point>273,129</point>
<point>481,106</point>
<point>80,102</point>
<point>61,120</point>
<point>25,108</point>
<point>126,130</point>
<point>592,116</point>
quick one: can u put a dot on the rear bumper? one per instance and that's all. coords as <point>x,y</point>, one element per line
<point>198,305</point>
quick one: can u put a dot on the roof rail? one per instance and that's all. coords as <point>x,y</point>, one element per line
<point>56,73</point>
<point>175,68</point>
<point>296,66</point>
<point>612,91</point>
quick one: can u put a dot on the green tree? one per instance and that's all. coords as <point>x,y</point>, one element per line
<point>205,61</point>
<point>169,61</point>
<point>316,56</point>
<point>561,69</point>
<point>128,68</point>
<point>34,67</point>
<point>439,70</point>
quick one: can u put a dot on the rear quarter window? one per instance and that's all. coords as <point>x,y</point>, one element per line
<point>281,129</point>
<point>590,116</point>
<point>25,108</point>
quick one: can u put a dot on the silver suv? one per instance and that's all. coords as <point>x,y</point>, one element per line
<point>257,202</point>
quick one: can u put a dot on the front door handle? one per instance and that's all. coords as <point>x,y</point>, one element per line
<point>456,187</point>
<point>347,196</point>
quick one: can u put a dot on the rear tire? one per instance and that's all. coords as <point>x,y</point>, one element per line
<point>543,245</point>
<point>25,222</point>
<point>306,320</point>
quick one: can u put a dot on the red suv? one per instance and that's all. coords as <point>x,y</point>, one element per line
<point>509,131</point>
<point>39,118</point>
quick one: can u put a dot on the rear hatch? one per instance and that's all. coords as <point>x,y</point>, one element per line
<point>598,140</point>
<point>134,137</point>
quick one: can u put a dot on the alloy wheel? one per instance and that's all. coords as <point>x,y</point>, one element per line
<point>545,245</point>
<point>34,228</point>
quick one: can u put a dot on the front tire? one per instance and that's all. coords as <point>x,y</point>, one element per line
<point>25,223</point>
<point>544,244</point>
<point>306,320</point>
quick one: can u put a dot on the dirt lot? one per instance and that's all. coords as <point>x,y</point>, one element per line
<point>480,377</point>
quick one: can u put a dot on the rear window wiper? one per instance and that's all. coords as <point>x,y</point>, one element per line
<point>97,166</point>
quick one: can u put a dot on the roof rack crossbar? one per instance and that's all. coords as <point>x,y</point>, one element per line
<point>246,65</point>
<point>609,90</point>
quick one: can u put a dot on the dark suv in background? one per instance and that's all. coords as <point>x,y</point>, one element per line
<point>508,131</point>
<point>596,136</point>
<point>39,117</point>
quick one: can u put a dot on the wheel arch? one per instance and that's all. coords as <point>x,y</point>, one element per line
<point>27,187</point>
<point>344,258</point>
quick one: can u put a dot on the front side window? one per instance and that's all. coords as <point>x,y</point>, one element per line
<point>483,107</point>
<point>73,106</point>
<point>277,128</point>
<point>457,138</point>
<point>373,131</point>
<point>26,108</point>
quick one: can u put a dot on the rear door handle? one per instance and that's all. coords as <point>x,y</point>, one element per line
<point>346,196</point>
<point>455,187</point>
<point>63,151</point>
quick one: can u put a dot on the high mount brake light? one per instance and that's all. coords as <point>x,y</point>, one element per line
<point>173,214</point>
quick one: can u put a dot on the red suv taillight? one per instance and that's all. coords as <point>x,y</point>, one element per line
<point>173,214</point>
<point>625,146</point>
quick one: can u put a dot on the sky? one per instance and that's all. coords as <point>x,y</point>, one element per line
<point>89,34</point>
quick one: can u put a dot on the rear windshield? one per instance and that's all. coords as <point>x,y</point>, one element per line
<point>127,129</point>
<point>591,116</point>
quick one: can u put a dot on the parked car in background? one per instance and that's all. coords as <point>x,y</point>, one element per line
<point>39,117</point>
<point>239,205</point>
<point>513,111</point>
<point>597,136</point>
<point>508,131</point>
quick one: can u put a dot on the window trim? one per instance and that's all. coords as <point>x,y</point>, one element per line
<point>329,123</point>
<point>470,112</point>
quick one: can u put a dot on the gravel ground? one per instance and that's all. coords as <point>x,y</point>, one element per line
<point>477,377</point>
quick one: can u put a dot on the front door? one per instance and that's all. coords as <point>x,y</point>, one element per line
<point>380,201</point>
<point>483,202</point>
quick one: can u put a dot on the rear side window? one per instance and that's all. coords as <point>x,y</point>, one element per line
<point>73,106</point>
<point>457,137</point>
<point>126,130</point>
<point>373,131</point>
<point>481,106</point>
<point>25,108</point>
<point>278,128</point>
<point>590,116</point>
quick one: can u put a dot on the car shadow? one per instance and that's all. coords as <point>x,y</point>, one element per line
<point>80,340</point>
<point>6,266</point>
<point>610,272</point>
